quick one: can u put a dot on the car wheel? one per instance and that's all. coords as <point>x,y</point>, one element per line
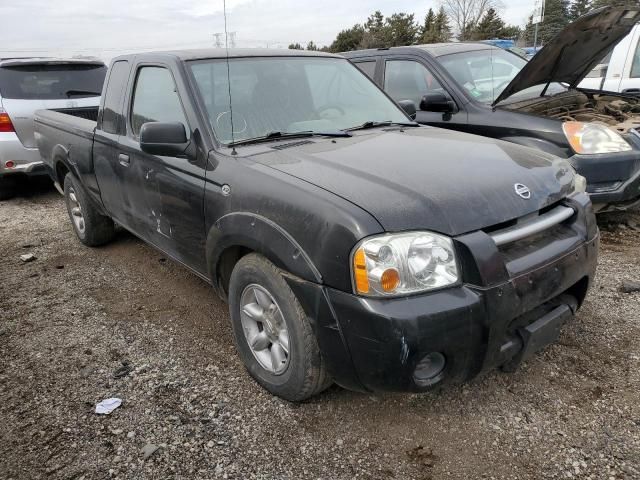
<point>92,228</point>
<point>273,335</point>
<point>7,188</point>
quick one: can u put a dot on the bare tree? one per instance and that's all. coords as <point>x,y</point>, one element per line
<point>465,14</point>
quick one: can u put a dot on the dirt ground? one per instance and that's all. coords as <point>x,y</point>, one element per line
<point>80,325</point>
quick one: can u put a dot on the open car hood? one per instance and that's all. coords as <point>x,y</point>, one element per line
<point>575,51</point>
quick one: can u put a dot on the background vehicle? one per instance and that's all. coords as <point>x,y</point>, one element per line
<point>488,91</point>
<point>619,71</point>
<point>343,254</point>
<point>30,84</point>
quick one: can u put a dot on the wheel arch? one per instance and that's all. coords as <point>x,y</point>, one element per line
<point>237,234</point>
<point>61,163</point>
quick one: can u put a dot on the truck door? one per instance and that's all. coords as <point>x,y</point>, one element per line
<point>111,124</point>
<point>408,79</point>
<point>167,193</point>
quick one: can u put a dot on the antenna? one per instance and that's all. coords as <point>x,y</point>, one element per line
<point>226,46</point>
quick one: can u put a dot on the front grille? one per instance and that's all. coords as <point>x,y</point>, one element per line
<point>532,225</point>
<point>536,239</point>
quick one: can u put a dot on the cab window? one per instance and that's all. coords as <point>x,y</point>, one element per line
<point>409,80</point>
<point>368,68</point>
<point>155,99</point>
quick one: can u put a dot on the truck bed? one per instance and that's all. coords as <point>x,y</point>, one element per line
<point>66,135</point>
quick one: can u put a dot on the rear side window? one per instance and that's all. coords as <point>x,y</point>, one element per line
<point>114,96</point>
<point>368,68</point>
<point>51,82</point>
<point>155,99</point>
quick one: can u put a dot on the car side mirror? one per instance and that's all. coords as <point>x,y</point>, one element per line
<point>409,108</point>
<point>437,102</point>
<point>164,139</point>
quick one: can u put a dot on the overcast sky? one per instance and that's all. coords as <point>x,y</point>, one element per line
<point>108,27</point>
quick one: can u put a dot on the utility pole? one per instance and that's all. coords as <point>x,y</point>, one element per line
<point>218,41</point>
<point>221,39</point>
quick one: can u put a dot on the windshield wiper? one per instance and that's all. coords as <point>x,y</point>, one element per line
<point>277,135</point>
<point>68,93</point>
<point>384,123</point>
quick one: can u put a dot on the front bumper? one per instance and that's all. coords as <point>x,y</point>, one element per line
<point>510,306</point>
<point>26,161</point>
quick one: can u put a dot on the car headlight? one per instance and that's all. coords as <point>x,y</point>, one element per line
<point>403,263</point>
<point>592,138</point>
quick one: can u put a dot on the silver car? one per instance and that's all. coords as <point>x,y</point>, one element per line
<point>30,84</point>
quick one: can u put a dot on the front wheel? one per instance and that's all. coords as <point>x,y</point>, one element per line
<point>273,335</point>
<point>92,228</point>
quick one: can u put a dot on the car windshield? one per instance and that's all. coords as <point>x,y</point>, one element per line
<point>486,73</point>
<point>288,95</point>
<point>51,81</point>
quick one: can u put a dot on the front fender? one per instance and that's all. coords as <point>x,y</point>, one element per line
<point>261,235</point>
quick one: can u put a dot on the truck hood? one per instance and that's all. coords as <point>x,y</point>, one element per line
<point>576,50</point>
<point>426,178</point>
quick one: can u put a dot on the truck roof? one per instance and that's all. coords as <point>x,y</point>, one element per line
<point>433,49</point>
<point>204,53</point>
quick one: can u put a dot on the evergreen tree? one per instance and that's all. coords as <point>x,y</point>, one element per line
<point>312,46</point>
<point>442,27</point>
<point>295,46</point>
<point>375,32</point>
<point>556,17</point>
<point>491,26</point>
<point>349,39</point>
<point>579,8</point>
<point>400,29</point>
<point>428,29</point>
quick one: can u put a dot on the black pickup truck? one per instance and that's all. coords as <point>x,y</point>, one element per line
<point>485,90</point>
<point>352,244</point>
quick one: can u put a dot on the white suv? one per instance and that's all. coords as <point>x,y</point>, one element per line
<point>30,84</point>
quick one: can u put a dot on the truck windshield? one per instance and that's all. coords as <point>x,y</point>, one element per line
<point>289,94</point>
<point>51,81</point>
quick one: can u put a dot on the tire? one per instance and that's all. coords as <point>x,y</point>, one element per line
<point>305,373</point>
<point>7,187</point>
<point>92,228</point>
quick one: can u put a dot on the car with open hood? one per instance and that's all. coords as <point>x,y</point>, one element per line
<point>477,88</point>
<point>352,244</point>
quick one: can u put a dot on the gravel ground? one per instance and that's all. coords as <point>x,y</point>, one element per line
<point>79,325</point>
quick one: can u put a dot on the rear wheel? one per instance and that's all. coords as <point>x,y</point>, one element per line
<point>273,335</point>
<point>7,187</point>
<point>92,228</point>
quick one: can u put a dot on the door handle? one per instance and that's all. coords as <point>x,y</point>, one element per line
<point>124,160</point>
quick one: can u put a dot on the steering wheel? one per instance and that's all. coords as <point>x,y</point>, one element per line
<point>327,108</point>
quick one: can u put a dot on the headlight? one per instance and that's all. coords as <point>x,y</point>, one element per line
<point>403,263</point>
<point>592,138</point>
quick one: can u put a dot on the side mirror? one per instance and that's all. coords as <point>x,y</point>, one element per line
<point>409,108</point>
<point>163,139</point>
<point>437,102</point>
